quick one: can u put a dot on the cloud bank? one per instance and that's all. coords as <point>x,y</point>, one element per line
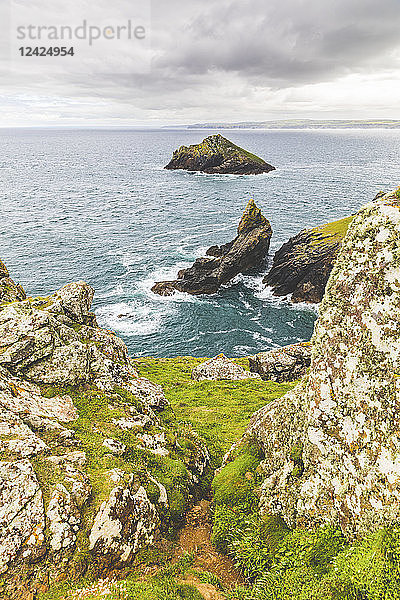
<point>204,61</point>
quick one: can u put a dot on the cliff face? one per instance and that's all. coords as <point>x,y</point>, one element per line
<point>246,252</point>
<point>216,154</point>
<point>92,466</point>
<point>301,267</point>
<point>332,445</point>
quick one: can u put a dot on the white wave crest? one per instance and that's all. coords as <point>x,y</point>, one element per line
<point>267,293</point>
<point>129,318</point>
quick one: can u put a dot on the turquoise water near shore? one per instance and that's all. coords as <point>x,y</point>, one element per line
<point>97,205</point>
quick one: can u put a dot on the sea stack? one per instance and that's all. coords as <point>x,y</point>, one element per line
<point>9,290</point>
<point>216,154</point>
<point>243,254</point>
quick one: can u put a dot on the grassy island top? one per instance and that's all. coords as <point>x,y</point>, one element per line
<point>217,144</point>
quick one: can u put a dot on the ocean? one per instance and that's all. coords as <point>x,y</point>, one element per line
<point>97,205</point>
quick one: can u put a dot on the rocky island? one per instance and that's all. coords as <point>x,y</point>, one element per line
<point>246,252</point>
<point>301,267</point>
<point>9,290</point>
<point>217,154</point>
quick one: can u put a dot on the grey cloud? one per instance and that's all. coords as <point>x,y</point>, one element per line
<point>210,56</point>
<point>286,43</point>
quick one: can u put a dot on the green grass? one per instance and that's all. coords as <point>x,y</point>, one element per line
<point>337,229</point>
<point>322,565</point>
<point>218,410</point>
<point>235,482</point>
<point>249,155</point>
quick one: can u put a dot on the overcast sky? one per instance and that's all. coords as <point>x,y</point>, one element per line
<point>206,60</point>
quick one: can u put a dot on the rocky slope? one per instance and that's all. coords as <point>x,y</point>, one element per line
<point>92,465</point>
<point>216,154</point>
<point>221,368</point>
<point>331,446</point>
<point>301,266</point>
<point>246,252</point>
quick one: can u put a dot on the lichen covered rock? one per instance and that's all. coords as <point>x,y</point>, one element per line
<point>91,469</point>
<point>220,367</point>
<point>125,522</point>
<point>216,154</point>
<point>283,364</point>
<point>342,423</point>
<point>301,267</point>
<point>22,519</point>
<point>245,253</point>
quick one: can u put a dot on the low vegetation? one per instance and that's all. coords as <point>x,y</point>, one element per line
<point>317,565</point>
<point>277,563</point>
<point>218,410</point>
<point>336,229</point>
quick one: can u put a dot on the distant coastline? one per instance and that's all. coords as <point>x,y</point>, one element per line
<point>299,124</point>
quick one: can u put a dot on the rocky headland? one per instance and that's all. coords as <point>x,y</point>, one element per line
<point>216,154</point>
<point>245,253</point>
<point>92,466</point>
<point>301,267</point>
<point>330,447</point>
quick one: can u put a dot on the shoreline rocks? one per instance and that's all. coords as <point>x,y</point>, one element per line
<point>246,252</point>
<point>217,154</point>
<point>301,267</point>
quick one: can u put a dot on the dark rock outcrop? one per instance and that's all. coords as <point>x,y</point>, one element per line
<point>216,154</point>
<point>245,253</point>
<point>9,290</point>
<point>301,266</point>
<point>283,364</point>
